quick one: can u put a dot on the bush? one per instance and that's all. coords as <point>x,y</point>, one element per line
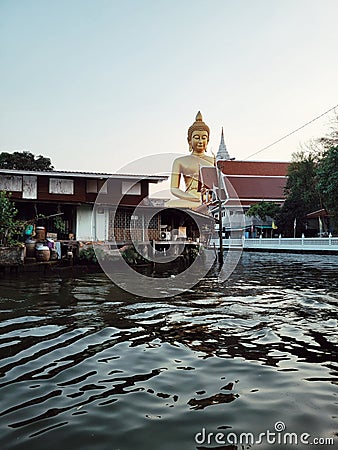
<point>132,256</point>
<point>87,255</point>
<point>10,227</point>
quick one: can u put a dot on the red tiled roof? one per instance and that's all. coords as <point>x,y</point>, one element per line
<point>264,168</point>
<point>258,188</point>
<point>252,188</point>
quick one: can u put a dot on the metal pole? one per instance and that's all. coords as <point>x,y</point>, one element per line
<point>220,221</point>
<point>143,225</point>
<point>220,233</point>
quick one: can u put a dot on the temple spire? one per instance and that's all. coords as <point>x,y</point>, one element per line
<point>222,153</point>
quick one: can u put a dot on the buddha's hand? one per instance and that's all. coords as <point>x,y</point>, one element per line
<point>193,198</point>
<point>185,195</point>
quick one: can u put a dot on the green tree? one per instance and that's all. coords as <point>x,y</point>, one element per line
<point>263,210</point>
<point>10,227</point>
<point>24,161</point>
<point>330,140</point>
<point>327,180</point>
<point>302,193</point>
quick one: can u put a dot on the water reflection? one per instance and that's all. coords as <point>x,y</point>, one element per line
<point>82,360</point>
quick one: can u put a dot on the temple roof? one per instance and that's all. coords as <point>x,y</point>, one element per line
<point>260,188</point>
<point>254,168</point>
<point>250,183</point>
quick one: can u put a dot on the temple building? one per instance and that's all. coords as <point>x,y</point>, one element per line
<point>243,184</point>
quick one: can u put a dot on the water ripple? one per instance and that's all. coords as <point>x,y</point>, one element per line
<point>82,362</point>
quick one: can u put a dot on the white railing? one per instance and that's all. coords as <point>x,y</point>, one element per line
<point>327,243</point>
<point>214,242</point>
<point>286,243</point>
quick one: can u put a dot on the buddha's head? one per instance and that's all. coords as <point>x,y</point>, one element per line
<point>198,134</point>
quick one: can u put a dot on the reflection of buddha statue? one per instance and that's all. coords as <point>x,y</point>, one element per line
<point>189,167</point>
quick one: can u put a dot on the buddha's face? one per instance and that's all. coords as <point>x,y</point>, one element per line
<point>199,141</point>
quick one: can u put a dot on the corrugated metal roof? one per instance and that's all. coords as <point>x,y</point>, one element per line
<point>65,173</point>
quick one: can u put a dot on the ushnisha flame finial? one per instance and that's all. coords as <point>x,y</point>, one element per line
<point>198,125</point>
<point>199,117</point>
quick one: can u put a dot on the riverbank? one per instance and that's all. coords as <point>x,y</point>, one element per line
<point>68,268</point>
<point>51,268</point>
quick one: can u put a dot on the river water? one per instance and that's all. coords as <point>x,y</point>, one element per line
<point>84,365</point>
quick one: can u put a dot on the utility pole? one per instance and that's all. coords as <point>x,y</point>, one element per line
<point>222,155</point>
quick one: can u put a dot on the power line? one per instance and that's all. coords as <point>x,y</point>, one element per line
<point>292,132</point>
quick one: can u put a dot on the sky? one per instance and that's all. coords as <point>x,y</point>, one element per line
<point>97,85</point>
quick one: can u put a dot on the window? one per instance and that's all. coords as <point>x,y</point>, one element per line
<point>10,183</point>
<point>29,187</point>
<point>61,186</point>
<point>131,188</point>
<point>91,186</point>
<point>102,186</point>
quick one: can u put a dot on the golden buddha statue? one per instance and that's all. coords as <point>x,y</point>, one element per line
<point>188,167</point>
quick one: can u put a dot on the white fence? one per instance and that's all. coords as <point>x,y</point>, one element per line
<point>307,244</point>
